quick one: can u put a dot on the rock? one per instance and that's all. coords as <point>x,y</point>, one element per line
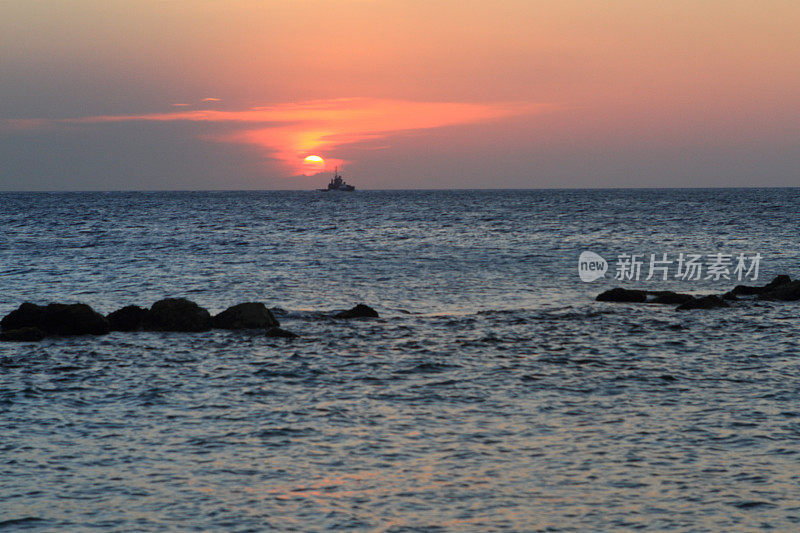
<point>57,319</point>
<point>745,290</point>
<point>622,295</point>
<point>27,315</point>
<point>787,292</point>
<point>359,311</point>
<point>711,301</point>
<point>22,335</point>
<point>129,318</point>
<point>783,279</point>
<point>279,332</point>
<point>245,316</point>
<point>74,319</point>
<point>669,297</point>
<point>730,295</point>
<point>177,314</point>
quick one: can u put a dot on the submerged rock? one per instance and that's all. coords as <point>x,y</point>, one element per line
<point>177,314</point>
<point>359,311</point>
<point>711,301</point>
<point>669,297</point>
<point>22,335</point>
<point>129,318</point>
<point>248,315</point>
<point>279,332</point>
<point>57,319</point>
<point>622,295</point>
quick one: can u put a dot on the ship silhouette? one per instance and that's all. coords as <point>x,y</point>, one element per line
<point>337,183</point>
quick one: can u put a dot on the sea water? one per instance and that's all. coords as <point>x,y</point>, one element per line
<point>493,393</point>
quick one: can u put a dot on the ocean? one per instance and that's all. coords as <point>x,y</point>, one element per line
<point>493,393</point>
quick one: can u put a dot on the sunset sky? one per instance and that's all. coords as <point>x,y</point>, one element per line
<point>235,94</point>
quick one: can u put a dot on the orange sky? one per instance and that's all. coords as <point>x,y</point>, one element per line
<point>562,87</point>
<point>289,133</point>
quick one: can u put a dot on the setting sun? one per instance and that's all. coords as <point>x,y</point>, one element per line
<point>312,164</point>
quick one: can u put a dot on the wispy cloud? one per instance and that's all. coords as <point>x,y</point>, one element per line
<point>292,131</point>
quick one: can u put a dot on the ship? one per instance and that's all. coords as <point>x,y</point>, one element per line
<point>338,184</point>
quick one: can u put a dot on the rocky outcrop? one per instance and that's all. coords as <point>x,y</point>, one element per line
<point>712,301</point>
<point>25,316</point>
<point>622,295</point>
<point>783,279</point>
<point>129,318</point>
<point>781,288</point>
<point>57,319</point>
<point>177,314</point>
<point>745,290</point>
<point>359,311</point>
<point>280,333</point>
<point>669,297</point>
<point>788,292</point>
<point>31,322</point>
<point>22,335</point>
<point>248,315</point>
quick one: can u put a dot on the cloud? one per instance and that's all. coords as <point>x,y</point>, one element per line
<point>211,99</point>
<point>291,131</point>
<point>23,124</point>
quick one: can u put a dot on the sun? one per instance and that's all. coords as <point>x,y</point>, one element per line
<point>313,164</point>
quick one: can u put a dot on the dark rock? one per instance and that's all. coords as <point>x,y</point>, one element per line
<point>22,335</point>
<point>789,292</point>
<point>177,314</point>
<point>711,301</point>
<point>57,319</point>
<point>74,319</point>
<point>730,295</point>
<point>129,318</point>
<point>279,332</point>
<point>783,279</point>
<point>245,316</point>
<point>27,315</point>
<point>669,297</point>
<point>359,311</point>
<point>622,295</point>
<point>745,290</point>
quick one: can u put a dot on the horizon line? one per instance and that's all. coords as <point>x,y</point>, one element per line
<point>653,188</point>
